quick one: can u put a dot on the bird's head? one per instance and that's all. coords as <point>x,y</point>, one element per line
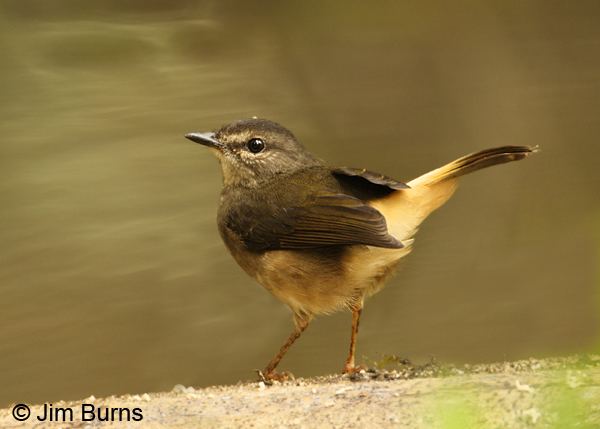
<point>253,150</point>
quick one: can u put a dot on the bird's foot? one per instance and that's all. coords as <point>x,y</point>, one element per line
<point>268,377</point>
<point>353,369</point>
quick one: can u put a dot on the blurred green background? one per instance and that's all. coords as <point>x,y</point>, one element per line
<point>113,277</point>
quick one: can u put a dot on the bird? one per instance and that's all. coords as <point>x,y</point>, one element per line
<point>321,239</point>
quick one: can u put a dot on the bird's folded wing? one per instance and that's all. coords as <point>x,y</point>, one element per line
<point>368,177</point>
<point>325,220</point>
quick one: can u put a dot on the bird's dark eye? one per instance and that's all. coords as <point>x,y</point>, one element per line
<point>255,145</point>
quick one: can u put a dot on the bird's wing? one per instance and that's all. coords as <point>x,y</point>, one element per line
<point>366,185</point>
<point>322,221</point>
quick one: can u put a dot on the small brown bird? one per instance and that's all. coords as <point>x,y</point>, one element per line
<point>321,239</point>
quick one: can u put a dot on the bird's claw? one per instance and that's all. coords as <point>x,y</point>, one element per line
<point>353,369</point>
<point>268,377</point>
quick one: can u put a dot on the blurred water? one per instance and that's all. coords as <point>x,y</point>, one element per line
<point>113,278</point>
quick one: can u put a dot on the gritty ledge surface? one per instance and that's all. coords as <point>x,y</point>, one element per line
<point>540,393</point>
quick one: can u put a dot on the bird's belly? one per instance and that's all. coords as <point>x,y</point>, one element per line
<point>308,281</point>
<point>313,283</point>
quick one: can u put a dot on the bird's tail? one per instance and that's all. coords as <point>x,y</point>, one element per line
<point>405,209</point>
<point>472,162</point>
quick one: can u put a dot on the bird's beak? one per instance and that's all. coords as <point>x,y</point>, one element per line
<point>207,139</point>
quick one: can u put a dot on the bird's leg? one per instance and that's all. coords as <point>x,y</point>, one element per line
<point>301,324</point>
<point>349,367</point>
